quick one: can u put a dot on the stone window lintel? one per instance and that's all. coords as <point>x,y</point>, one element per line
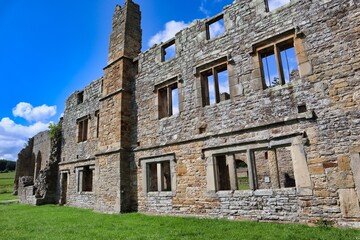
<point>286,35</point>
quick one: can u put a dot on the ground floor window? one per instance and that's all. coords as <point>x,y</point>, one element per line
<point>255,169</point>
<point>85,178</point>
<point>159,178</point>
<point>159,174</point>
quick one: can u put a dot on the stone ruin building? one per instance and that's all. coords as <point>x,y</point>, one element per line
<point>260,121</point>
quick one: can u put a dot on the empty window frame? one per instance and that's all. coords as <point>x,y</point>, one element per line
<point>215,84</point>
<point>231,172</point>
<point>242,171</point>
<point>274,168</point>
<point>271,168</point>
<point>271,5</point>
<point>223,168</point>
<point>215,27</point>
<point>168,51</point>
<point>80,97</point>
<point>82,125</point>
<point>168,100</point>
<point>85,178</point>
<point>278,63</point>
<point>158,176</point>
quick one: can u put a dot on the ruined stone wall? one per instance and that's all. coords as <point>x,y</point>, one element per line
<point>79,153</point>
<point>41,151</point>
<point>73,150</point>
<point>324,162</point>
<point>25,164</point>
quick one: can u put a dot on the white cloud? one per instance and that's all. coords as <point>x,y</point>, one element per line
<point>171,28</point>
<point>10,146</point>
<point>30,113</point>
<point>14,136</point>
<point>203,9</point>
<point>9,128</point>
<point>273,4</point>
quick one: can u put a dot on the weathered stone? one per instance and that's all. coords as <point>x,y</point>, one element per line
<point>349,203</point>
<point>127,148</point>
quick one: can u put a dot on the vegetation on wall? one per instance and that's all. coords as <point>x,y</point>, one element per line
<point>55,130</point>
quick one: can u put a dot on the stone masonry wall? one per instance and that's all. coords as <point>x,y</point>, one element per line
<point>72,150</point>
<point>314,119</point>
<point>327,54</point>
<point>76,155</point>
<point>41,150</point>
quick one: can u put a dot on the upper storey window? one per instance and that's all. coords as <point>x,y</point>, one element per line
<point>215,84</point>
<point>80,97</point>
<point>215,27</point>
<point>168,100</point>
<point>168,51</point>
<point>82,129</point>
<point>274,4</point>
<point>278,63</point>
<point>277,59</point>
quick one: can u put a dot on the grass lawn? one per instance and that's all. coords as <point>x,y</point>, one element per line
<point>54,222</point>
<point>7,186</point>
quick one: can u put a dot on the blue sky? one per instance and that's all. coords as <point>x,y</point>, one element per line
<point>49,49</point>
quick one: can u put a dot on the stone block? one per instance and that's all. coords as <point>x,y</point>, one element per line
<point>344,163</point>
<point>316,169</point>
<point>349,203</point>
<point>263,192</point>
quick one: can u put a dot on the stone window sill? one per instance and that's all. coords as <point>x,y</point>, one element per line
<point>161,194</point>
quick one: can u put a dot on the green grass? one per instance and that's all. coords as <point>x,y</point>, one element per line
<point>54,222</point>
<point>7,186</point>
<point>243,183</point>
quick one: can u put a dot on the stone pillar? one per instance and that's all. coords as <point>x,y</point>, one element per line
<point>210,173</point>
<point>355,168</point>
<point>252,169</point>
<point>160,177</point>
<point>230,162</point>
<point>273,167</point>
<point>301,170</point>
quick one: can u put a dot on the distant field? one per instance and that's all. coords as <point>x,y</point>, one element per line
<point>54,222</point>
<point>7,186</point>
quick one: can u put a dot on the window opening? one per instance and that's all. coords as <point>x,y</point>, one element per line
<point>175,100</point>
<point>87,179</point>
<point>271,5</point>
<point>302,108</point>
<point>152,177</point>
<point>215,85</point>
<point>242,171</point>
<point>278,64</point>
<point>215,27</point>
<point>82,130</point>
<point>223,174</point>
<point>168,100</point>
<point>211,89</point>
<point>285,167</point>
<point>169,51</point>
<point>159,176</point>
<point>80,97</point>
<point>262,169</point>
